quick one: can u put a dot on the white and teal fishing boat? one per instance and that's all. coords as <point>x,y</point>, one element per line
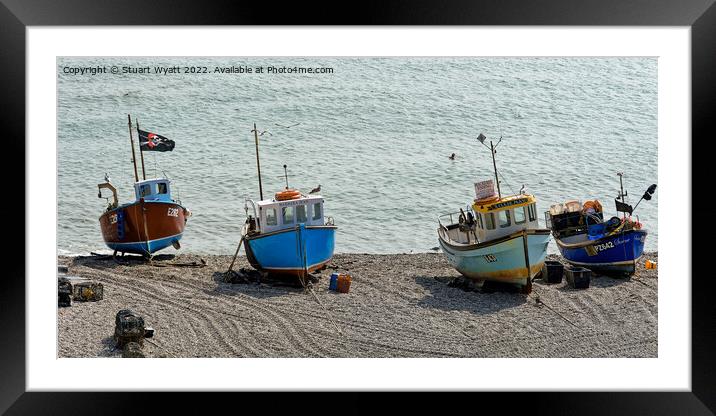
<point>497,238</point>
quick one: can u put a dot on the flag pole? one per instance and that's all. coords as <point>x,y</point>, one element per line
<point>258,164</point>
<point>141,152</point>
<point>131,141</point>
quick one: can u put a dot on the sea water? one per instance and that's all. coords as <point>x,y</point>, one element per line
<point>375,133</point>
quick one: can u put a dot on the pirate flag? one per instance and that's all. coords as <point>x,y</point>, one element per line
<point>154,142</point>
<point>622,207</point>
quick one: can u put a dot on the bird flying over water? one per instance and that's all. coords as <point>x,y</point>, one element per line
<point>288,127</point>
<point>316,190</point>
<point>452,156</point>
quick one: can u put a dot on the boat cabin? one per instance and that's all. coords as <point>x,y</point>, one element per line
<point>153,190</point>
<point>491,218</point>
<point>501,217</point>
<point>276,215</point>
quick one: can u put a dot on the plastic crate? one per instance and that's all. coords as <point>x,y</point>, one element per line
<point>578,277</point>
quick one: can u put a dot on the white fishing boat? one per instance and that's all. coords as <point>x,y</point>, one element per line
<point>497,238</point>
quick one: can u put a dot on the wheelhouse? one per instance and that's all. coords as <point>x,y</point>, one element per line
<point>505,216</point>
<point>153,190</point>
<point>276,215</point>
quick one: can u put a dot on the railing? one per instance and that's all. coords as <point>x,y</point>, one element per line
<point>450,215</point>
<point>248,201</point>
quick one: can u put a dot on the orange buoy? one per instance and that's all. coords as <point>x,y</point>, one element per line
<point>287,194</point>
<point>595,205</point>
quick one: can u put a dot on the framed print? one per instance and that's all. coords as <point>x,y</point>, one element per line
<point>418,201</point>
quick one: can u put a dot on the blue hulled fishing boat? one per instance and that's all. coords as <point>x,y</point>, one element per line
<point>497,238</point>
<point>585,239</point>
<point>289,233</point>
<point>288,236</point>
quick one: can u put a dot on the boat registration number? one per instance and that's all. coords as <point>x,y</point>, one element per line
<point>173,212</point>
<point>490,258</point>
<point>602,247</point>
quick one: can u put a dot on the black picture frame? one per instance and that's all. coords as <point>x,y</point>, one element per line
<point>16,15</point>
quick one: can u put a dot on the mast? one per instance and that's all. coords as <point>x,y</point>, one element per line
<point>494,165</point>
<point>141,152</point>
<point>258,164</point>
<point>131,141</point>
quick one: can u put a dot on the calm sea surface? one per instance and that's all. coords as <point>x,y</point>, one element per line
<point>375,133</point>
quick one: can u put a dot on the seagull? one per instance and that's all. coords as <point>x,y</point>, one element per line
<point>106,177</point>
<point>316,190</point>
<point>288,127</point>
<point>452,156</point>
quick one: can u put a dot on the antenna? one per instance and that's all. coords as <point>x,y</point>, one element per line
<point>493,149</point>
<point>285,175</point>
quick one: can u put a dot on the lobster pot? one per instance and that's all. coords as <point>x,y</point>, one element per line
<point>64,293</point>
<point>552,271</point>
<point>578,277</point>
<point>80,289</point>
<point>485,189</point>
<point>128,327</point>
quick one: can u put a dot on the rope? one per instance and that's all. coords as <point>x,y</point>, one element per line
<point>192,264</point>
<point>538,301</point>
<point>231,266</point>
<point>508,184</point>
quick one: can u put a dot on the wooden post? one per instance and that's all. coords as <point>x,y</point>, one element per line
<point>141,152</point>
<point>131,141</point>
<point>258,164</point>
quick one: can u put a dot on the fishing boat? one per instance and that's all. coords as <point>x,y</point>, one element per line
<point>289,233</point>
<point>154,220</point>
<point>497,238</point>
<point>585,239</point>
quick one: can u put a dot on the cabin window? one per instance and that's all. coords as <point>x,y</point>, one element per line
<point>301,213</point>
<point>532,210</point>
<point>317,215</point>
<point>504,218</point>
<point>479,221</point>
<point>490,221</point>
<point>287,215</point>
<point>271,216</point>
<point>520,215</point>
<point>162,188</point>
<point>145,190</point>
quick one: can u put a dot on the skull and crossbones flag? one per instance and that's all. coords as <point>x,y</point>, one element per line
<point>154,142</point>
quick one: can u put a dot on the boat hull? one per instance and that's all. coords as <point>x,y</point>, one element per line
<point>123,228</point>
<point>501,260</point>
<point>617,254</point>
<point>291,251</point>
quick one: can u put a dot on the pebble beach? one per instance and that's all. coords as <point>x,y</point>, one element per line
<point>398,305</point>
